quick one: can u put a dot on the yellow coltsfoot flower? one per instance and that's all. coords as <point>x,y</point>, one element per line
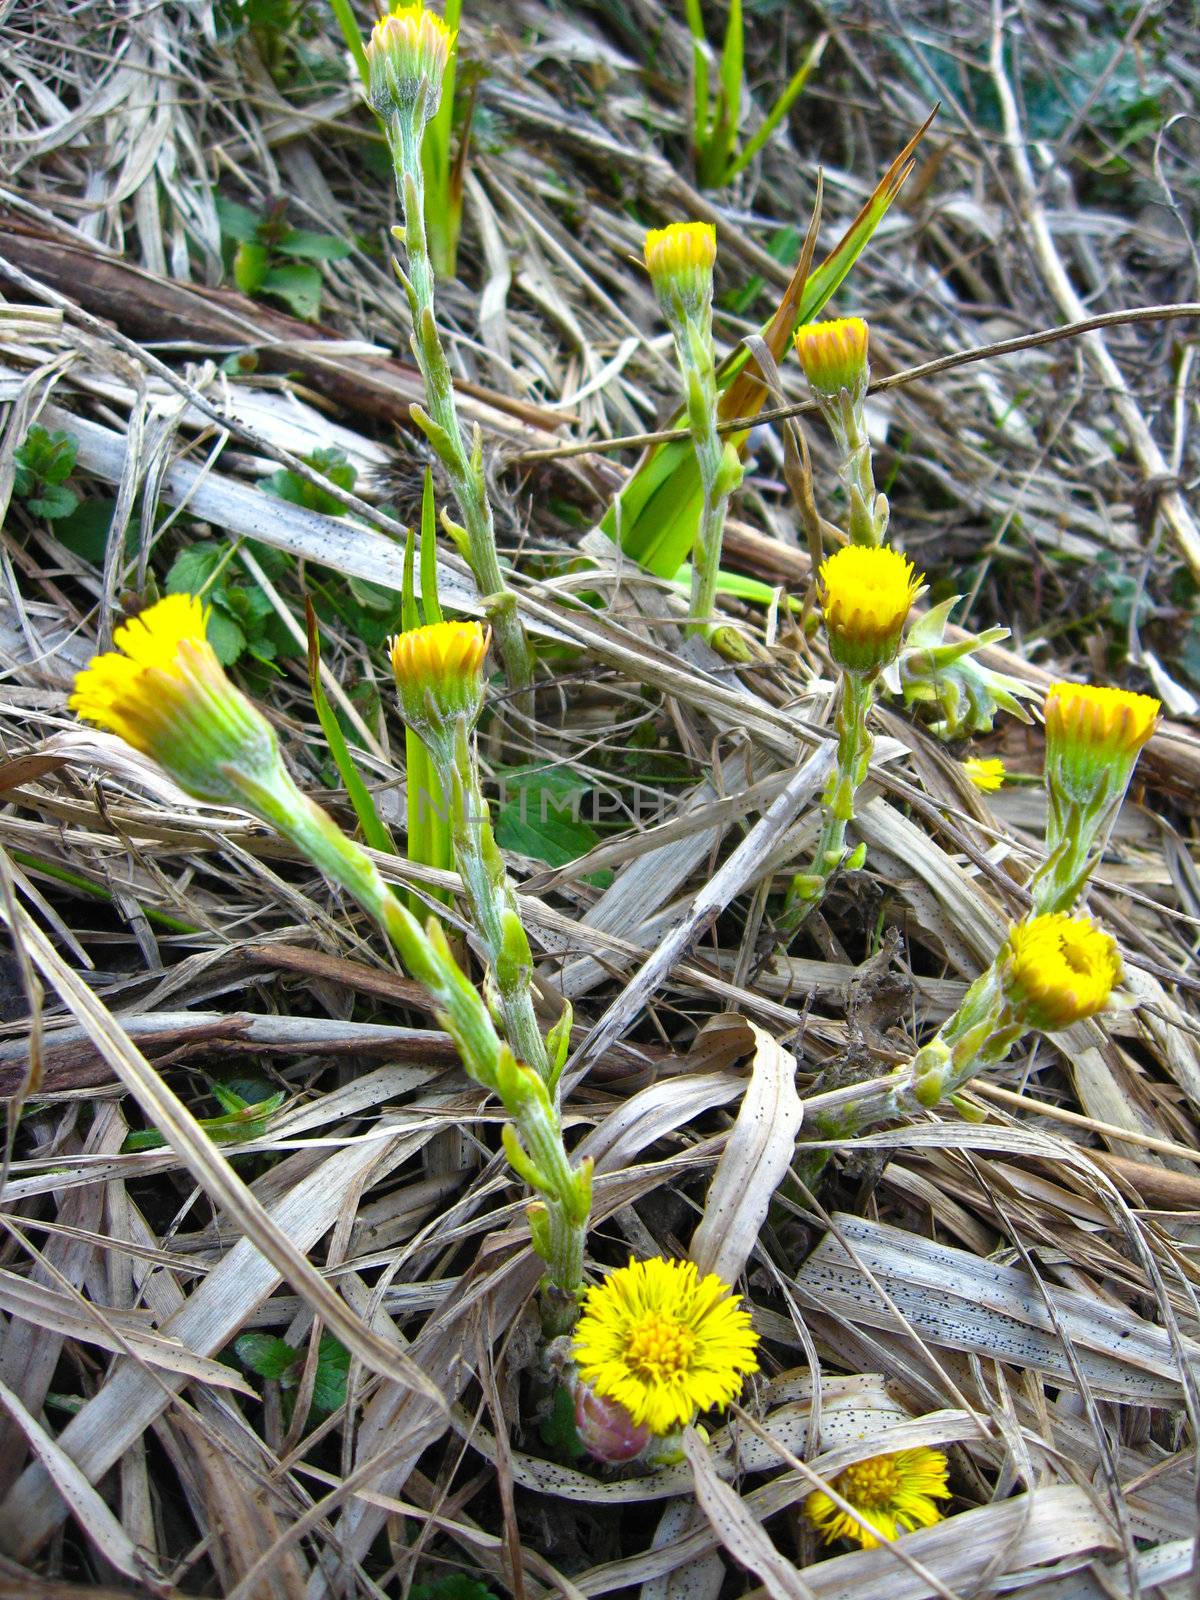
<point>834,355</point>
<point>164,692</point>
<point>866,595</point>
<point>1057,969</point>
<point>892,1494</point>
<point>439,673</point>
<point>663,1342</point>
<point>1093,737</point>
<point>987,773</point>
<point>407,55</point>
<point>680,260</point>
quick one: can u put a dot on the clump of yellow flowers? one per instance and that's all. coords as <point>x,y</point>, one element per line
<point>163,691</point>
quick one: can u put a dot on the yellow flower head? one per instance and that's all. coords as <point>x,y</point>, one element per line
<point>165,693</point>
<point>894,1493</point>
<point>866,593</point>
<point>1058,969</point>
<point>680,259</point>
<point>834,355</point>
<point>985,772</point>
<point>439,673</point>
<point>664,1342</point>
<point>1093,737</point>
<point>407,54</point>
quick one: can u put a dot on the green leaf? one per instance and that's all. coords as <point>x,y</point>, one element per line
<point>313,246</point>
<point>266,1355</point>
<point>332,464</point>
<point>542,818</point>
<point>250,266</point>
<point>237,221</point>
<point>47,456</point>
<point>85,531</point>
<point>192,568</point>
<point>452,1586</point>
<point>299,286</point>
<point>225,636</point>
<point>374,596</point>
<point>54,502</point>
<point>333,1368</point>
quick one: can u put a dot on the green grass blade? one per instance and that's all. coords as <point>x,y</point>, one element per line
<point>442,216</point>
<point>780,109</point>
<point>347,22</point>
<point>733,66</point>
<point>700,110</point>
<point>374,831</point>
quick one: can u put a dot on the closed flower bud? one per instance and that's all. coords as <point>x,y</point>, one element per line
<point>606,1430</point>
<point>1056,970</point>
<point>680,259</point>
<point>1093,737</point>
<point>165,693</point>
<point>866,595</point>
<point>407,56</point>
<point>834,355</point>
<point>439,673</point>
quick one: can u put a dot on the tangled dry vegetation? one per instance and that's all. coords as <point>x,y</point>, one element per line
<point>1012,1281</point>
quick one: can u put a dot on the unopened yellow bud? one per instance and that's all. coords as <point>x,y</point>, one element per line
<point>680,259</point>
<point>439,673</point>
<point>1093,737</point>
<point>166,694</point>
<point>834,355</point>
<point>866,595</point>
<point>407,55</point>
<point>1056,970</point>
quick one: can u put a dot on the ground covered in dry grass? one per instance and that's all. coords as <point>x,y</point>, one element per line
<point>1012,1280</point>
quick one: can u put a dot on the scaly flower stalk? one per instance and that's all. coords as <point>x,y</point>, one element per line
<point>1093,739</point>
<point>834,357</point>
<point>439,675</point>
<point>866,594</point>
<point>407,54</point>
<point>165,693</point>
<point>1052,971</point>
<point>680,259</point>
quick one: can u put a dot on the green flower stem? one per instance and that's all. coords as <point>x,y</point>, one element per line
<point>979,1035</point>
<point>854,748</point>
<point>534,1142</point>
<point>1076,836</point>
<point>441,425</point>
<point>493,903</point>
<point>868,509</point>
<point>720,468</point>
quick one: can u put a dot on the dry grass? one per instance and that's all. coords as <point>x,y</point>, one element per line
<point>1020,1288</point>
